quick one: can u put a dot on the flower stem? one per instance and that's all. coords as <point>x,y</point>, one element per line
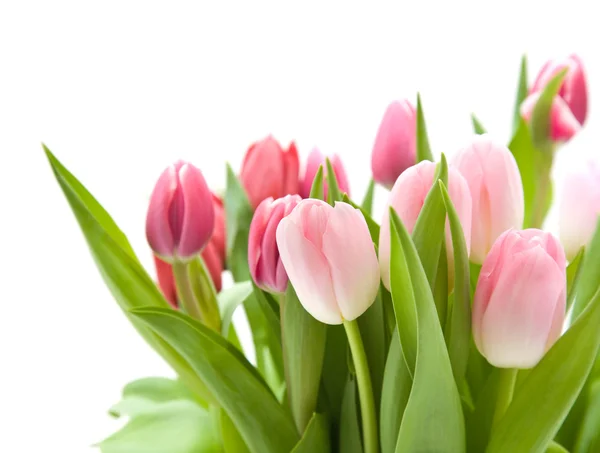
<point>365,389</point>
<point>187,301</point>
<point>542,189</point>
<point>508,377</point>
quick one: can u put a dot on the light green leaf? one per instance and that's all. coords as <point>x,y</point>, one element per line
<point>588,439</point>
<point>477,126</point>
<point>232,440</point>
<point>333,189</point>
<point>587,283</point>
<point>573,272</point>
<point>316,437</point>
<point>262,422</point>
<point>123,274</point>
<point>396,390</point>
<point>540,117</point>
<point>316,190</point>
<point>532,419</point>
<point>304,348</point>
<point>371,224</point>
<point>350,438</point>
<point>522,91</point>
<point>433,418</point>
<point>367,203</point>
<point>553,447</point>
<point>230,299</point>
<point>423,148</point>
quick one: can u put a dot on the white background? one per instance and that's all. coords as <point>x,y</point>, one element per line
<point>119,89</point>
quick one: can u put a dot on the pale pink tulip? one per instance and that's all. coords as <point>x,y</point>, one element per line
<point>264,261</point>
<point>496,190</point>
<point>180,217</point>
<point>395,144</point>
<point>579,208</point>
<point>519,303</point>
<point>563,124</point>
<point>407,198</point>
<point>315,159</point>
<point>330,259</point>
<point>270,171</point>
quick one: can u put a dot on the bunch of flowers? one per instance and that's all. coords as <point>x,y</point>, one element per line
<point>455,324</point>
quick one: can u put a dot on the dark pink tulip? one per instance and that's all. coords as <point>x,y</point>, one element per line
<point>180,217</point>
<point>265,264</point>
<point>218,236</point>
<point>395,144</point>
<point>315,159</point>
<point>270,171</point>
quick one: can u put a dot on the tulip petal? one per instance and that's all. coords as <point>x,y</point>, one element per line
<point>166,281</point>
<point>291,167</point>
<point>158,231</point>
<point>263,171</point>
<point>213,262</point>
<point>269,256</point>
<point>255,236</point>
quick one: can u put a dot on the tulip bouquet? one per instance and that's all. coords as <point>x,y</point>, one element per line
<point>454,324</point>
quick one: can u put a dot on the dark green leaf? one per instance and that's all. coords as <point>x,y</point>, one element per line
<point>304,348</point>
<point>540,117</point>
<point>588,439</point>
<point>573,272</point>
<point>316,190</point>
<point>477,126</point>
<point>522,91</point>
<point>423,148</point>
<point>367,203</point>
<point>316,437</point>
<point>588,281</point>
<point>371,224</point>
<point>479,422</point>
<point>350,437</point>
<point>232,440</point>
<point>333,189</point>
<point>335,373</point>
<point>262,422</point>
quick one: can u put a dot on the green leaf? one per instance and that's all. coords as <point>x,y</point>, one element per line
<point>230,299</point>
<point>121,271</point>
<point>479,422</point>
<point>553,447</point>
<point>367,203</point>
<point>522,91</point>
<point>573,272</point>
<point>433,418</point>
<point>316,437</point>
<point>304,348</point>
<point>459,336</point>
<point>588,439</point>
<point>262,422</point>
<point>540,117</point>
<point>587,283</point>
<point>423,148</point>
<point>528,160</point>
<point>350,439</point>
<point>163,416</point>
<point>371,224</point>
<point>316,190</point>
<point>333,189</point>
<point>532,419</point>
<point>477,126</point>
<point>396,390</point>
<point>232,440</point>
<point>335,373</point>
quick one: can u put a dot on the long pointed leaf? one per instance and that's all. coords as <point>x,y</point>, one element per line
<point>423,148</point>
<point>522,91</point>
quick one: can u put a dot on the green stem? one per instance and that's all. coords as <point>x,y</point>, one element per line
<point>204,292</point>
<point>508,378</point>
<point>365,389</point>
<point>543,186</point>
<point>187,301</point>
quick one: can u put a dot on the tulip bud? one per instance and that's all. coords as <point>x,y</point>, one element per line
<point>520,299</point>
<point>496,190</point>
<point>330,259</point>
<point>573,90</point>
<point>579,208</point>
<point>180,217</point>
<point>563,125</point>
<point>265,263</point>
<point>395,144</point>
<point>407,198</point>
<point>269,171</point>
<point>218,236</point>
<point>315,160</point>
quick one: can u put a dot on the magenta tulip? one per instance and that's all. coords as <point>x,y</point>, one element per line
<point>519,303</point>
<point>268,170</point>
<point>496,190</point>
<point>407,198</point>
<point>330,259</point>
<point>395,144</point>
<point>563,124</point>
<point>579,208</point>
<point>180,218</point>
<point>265,263</point>
<point>315,160</point>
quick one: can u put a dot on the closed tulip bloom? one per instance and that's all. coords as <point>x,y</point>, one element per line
<point>330,259</point>
<point>573,90</point>
<point>563,124</point>
<point>268,170</point>
<point>579,208</point>
<point>265,263</point>
<point>407,198</point>
<point>180,217</point>
<point>218,236</point>
<point>520,299</point>
<point>315,159</point>
<point>395,144</point>
<point>496,190</point>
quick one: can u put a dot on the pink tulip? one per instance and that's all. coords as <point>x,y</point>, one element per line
<point>407,198</point>
<point>395,144</point>
<point>316,159</point>
<point>579,208</point>
<point>573,90</point>
<point>563,124</point>
<point>330,259</point>
<point>270,171</point>
<point>265,263</point>
<point>496,190</point>
<point>180,218</point>
<point>218,236</point>
<point>519,303</point>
